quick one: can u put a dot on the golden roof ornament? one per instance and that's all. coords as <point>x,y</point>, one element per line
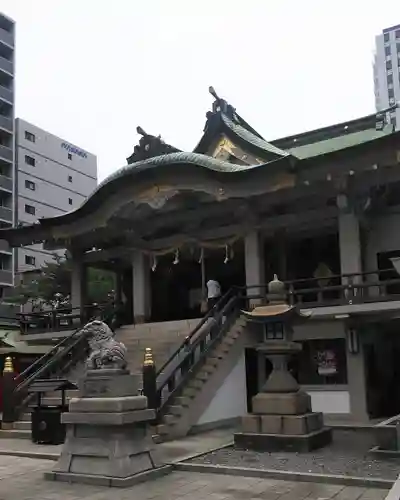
<point>8,365</point>
<point>148,357</point>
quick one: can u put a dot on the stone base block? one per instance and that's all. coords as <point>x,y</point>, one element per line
<point>110,453</point>
<point>295,425</point>
<point>292,403</point>
<point>251,423</point>
<point>280,442</point>
<point>109,481</point>
<point>109,384</point>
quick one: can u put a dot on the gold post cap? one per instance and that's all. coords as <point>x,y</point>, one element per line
<point>8,365</point>
<point>148,357</point>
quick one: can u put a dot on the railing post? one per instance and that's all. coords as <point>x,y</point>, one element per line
<point>9,386</point>
<point>150,380</point>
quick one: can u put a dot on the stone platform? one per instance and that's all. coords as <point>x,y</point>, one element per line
<point>283,421</point>
<point>107,439</point>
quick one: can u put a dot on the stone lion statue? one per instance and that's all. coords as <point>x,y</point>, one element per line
<point>105,351</point>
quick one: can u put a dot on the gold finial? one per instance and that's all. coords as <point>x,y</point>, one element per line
<point>8,365</point>
<point>148,357</point>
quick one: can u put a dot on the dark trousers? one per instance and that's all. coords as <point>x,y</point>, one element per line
<point>211,302</point>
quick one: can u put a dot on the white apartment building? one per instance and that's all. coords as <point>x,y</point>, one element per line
<point>53,177</point>
<point>387,72</point>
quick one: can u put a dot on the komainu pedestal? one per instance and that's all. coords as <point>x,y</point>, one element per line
<point>107,439</point>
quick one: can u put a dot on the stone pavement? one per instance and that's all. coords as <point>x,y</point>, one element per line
<point>172,451</point>
<point>22,479</point>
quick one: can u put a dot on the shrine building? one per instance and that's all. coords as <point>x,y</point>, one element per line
<point>320,209</point>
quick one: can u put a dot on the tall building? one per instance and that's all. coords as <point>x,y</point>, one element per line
<point>7,176</point>
<point>387,72</point>
<point>53,177</point>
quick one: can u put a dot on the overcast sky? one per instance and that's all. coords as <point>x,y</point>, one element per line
<point>90,71</point>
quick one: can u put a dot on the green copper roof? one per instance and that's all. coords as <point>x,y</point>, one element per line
<point>251,138</point>
<point>338,143</point>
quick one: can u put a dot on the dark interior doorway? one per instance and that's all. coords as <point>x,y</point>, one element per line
<point>176,288</point>
<point>381,358</point>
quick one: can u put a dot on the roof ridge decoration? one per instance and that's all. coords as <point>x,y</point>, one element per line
<point>223,119</point>
<point>149,146</point>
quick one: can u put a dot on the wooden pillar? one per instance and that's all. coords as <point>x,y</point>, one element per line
<point>141,287</point>
<point>254,266</point>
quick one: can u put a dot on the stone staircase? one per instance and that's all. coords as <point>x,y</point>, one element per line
<point>162,338</point>
<point>185,409</point>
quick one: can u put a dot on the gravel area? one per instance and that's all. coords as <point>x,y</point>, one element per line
<point>348,455</point>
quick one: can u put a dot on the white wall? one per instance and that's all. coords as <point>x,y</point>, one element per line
<point>330,401</point>
<point>230,401</point>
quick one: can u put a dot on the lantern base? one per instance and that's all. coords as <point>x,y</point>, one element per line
<point>279,442</point>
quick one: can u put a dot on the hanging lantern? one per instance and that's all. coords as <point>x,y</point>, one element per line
<point>154,264</point>
<point>226,260</point>
<point>201,255</point>
<point>176,260</point>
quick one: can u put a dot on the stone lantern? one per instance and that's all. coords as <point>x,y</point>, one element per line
<point>281,418</point>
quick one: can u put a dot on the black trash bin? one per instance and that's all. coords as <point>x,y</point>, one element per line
<point>47,427</point>
<point>46,424</point>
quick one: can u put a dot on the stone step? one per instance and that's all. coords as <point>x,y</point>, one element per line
<point>14,434</point>
<point>176,410</point>
<point>22,425</point>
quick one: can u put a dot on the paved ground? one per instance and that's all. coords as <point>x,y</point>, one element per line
<point>172,451</point>
<point>348,455</point>
<point>22,479</point>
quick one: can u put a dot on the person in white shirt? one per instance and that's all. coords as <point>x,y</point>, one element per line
<point>213,293</point>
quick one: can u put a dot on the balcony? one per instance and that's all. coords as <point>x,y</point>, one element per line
<point>6,65</point>
<point>6,214</point>
<point>6,277</point>
<point>6,123</point>
<point>339,290</point>
<point>6,183</point>
<point>6,153</point>
<point>6,94</point>
<point>6,37</point>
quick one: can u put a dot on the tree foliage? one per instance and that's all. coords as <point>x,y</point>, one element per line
<point>51,286</point>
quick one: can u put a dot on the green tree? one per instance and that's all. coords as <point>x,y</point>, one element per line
<point>51,286</point>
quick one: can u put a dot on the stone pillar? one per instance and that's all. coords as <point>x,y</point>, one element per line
<point>254,265</point>
<point>78,283</point>
<point>141,287</point>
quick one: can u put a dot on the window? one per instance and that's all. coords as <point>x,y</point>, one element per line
<point>29,136</point>
<point>29,260</point>
<point>389,79</point>
<point>387,51</point>
<point>386,37</point>
<point>30,185</point>
<point>389,65</point>
<point>30,161</point>
<point>29,209</point>
<point>390,93</point>
<point>70,178</point>
<point>70,201</point>
<point>397,34</point>
<point>69,156</point>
